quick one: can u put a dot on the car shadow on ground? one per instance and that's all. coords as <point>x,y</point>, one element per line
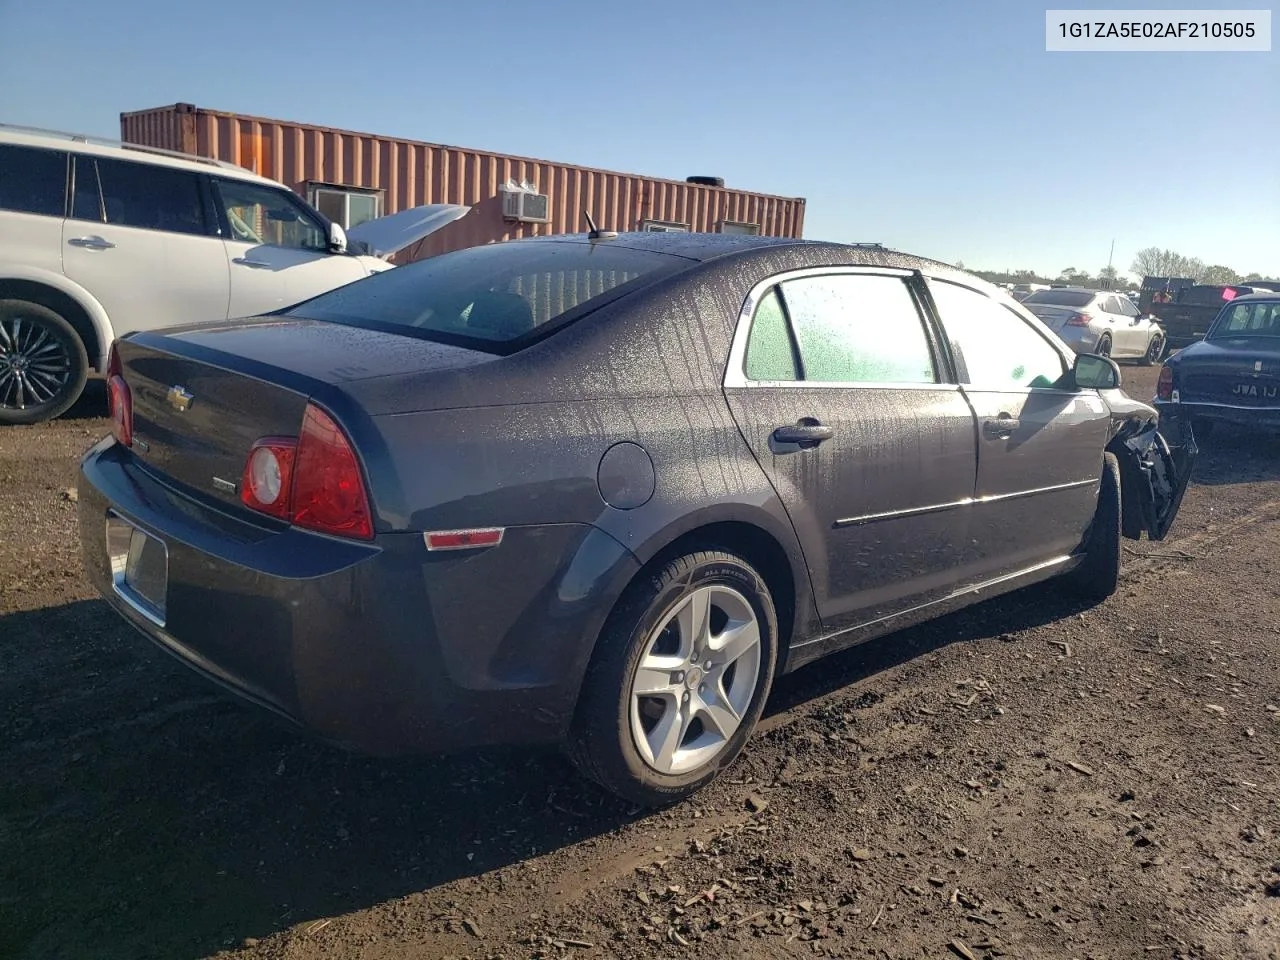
<point>151,817</point>
<point>92,404</point>
<point>1231,454</point>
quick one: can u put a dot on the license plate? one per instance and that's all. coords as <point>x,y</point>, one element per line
<point>139,568</point>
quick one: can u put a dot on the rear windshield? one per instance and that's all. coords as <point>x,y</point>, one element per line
<point>1255,319</point>
<point>1060,298</point>
<point>495,297</point>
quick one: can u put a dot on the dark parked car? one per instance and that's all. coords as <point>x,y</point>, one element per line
<point>1233,374</point>
<point>601,491</point>
<point>1187,316</point>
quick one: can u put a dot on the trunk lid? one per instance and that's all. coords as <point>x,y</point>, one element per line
<point>1053,315</point>
<point>204,394</point>
<point>1241,371</point>
<point>195,421</point>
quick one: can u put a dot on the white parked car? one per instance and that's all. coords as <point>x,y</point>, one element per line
<point>99,239</point>
<point>1094,321</point>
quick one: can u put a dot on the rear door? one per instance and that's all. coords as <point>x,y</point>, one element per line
<point>141,240</point>
<point>33,199</point>
<point>842,393</point>
<point>276,248</point>
<point>1039,446</point>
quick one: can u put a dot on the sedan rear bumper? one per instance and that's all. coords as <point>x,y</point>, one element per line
<point>1265,417</point>
<point>381,647</point>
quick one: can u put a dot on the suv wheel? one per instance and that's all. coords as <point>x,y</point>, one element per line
<point>43,364</point>
<point>1099,574</point>
<point>679,679</point>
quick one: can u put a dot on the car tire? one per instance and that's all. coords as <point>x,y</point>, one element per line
<point>1155,350</point>
<point>646,647</point>
<point>43,363</point>
<point>1098,575</point>
<point>1104,346</point>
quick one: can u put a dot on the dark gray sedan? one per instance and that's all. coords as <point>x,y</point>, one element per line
<point>601,490</point>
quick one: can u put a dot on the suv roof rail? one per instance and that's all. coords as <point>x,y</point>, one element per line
<point>121,144</point>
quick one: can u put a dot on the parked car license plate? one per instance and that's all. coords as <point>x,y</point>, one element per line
<point>139,568</point>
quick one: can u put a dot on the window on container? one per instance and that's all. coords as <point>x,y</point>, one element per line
<point>735,228</point>
<point>268,215</point>
<point>33,180</point>
<point>489,296</point>
<point>347,208</point>
<point>144,195</point>
<point>663,226</point>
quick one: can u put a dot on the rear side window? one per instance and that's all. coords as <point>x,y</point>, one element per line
<point>858,329</point>
<point>146,196</point>
<point>842,328</point>
<point>1249,319</point>
<point>994,347</point>
<point>33,180</point>
<point>490,296</point>
<point>771,353</point>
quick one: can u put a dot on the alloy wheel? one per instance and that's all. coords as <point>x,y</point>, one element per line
<point>696,679</point>
<point>34,364</point>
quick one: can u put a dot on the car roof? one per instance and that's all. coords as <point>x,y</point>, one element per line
<point>1260,295</point>
<point>706,247</point>
<point>137,153</point>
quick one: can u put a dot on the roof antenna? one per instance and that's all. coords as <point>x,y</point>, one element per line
<point>595,233</point>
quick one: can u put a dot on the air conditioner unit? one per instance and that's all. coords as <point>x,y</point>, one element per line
<point>523,204</point>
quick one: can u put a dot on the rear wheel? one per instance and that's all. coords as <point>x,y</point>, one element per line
<point>1104,346</point>
<point>43,364</point>
<point>1098,575</point>
<point>680,677</point>
<point>1155,350</point>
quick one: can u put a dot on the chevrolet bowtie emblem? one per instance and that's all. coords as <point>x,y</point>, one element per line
<point>179,398</point>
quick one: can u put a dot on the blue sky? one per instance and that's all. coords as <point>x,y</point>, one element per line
<point>942,128</point>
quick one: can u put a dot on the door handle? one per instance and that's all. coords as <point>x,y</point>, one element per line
<point>91,243</point>
<point>808,433</point>
<point>1001,428</point>
<point>246,262</point>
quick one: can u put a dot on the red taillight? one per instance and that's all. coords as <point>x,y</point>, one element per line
<point>1079,319</point>
<point>267,481</point>
<point>314,481</point>
<point>1164,385</point>
<point>119,401</point>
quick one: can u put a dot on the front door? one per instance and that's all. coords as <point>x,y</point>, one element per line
<point>276,249</point>
<point>1040,445</point>
<point>839,390</point>
<point>140,240</point>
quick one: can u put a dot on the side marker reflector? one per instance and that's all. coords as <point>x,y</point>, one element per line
<point>464,539</point>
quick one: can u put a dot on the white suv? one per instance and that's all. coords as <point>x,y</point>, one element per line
<point>98,239</point>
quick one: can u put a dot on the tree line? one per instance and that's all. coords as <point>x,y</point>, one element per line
<point>1148,262</point>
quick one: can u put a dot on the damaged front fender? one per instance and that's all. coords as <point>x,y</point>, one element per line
<point>1156,460</point>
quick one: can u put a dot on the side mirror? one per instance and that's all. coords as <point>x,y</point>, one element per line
<point>337,239</point>
<point>1093,372</point>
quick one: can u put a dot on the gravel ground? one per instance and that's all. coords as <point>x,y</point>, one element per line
<point>1028,778</point>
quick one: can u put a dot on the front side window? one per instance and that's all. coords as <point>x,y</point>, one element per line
<point>1127,307</point>
<point>143,195</point>
<point>265,215</point>
<point>847,328</point>
<point>996,348</point>
<point>33,180</point>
